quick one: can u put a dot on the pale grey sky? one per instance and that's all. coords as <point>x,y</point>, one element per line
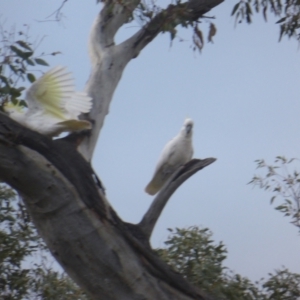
<point>242,93</point>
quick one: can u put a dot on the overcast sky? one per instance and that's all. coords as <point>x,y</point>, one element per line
<point>242,92</point>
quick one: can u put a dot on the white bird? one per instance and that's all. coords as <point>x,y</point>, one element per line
<point>176,153</point>
<point>53,105</point>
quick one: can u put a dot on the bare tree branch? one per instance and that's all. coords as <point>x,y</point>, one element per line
<point>113,15</point>
<point>172,16</point>
<point>108,258</point>
<point>150,218</point>
<point>58,15</point>
<point>109,60</point>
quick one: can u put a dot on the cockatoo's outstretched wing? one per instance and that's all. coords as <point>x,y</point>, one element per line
<point>54,105</point>
<point>176,153</point>
<point>55,93</point>
<point>78,104</point>
<point>51,92</point>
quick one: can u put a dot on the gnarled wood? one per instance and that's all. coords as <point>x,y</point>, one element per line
<point>109,60</point>
<point>183,173</point>
<point>108,258</point>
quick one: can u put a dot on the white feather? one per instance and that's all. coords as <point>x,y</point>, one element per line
<point>79,103</point>
<point>53,104</point>
<point>176,153</point>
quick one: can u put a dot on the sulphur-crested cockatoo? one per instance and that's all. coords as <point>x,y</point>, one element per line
<point>176,153</point>
<point>53,105</point>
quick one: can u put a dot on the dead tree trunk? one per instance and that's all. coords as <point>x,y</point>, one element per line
<point>108,258</point>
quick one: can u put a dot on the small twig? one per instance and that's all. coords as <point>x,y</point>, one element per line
<point>182,13</point>
<point>182,174</point>
<point>57,12</point>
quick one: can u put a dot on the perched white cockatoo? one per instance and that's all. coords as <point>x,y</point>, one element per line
<point>53,105</point>
<point>176,153</point>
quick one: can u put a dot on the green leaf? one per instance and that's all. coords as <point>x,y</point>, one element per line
<point>26,55</point>
<point>173,32</point>
<point>265,13</point>
<point>14,92</point>
<point>212,32</point>
<point>198,38</point>
<point>281,20</point>
<point>248,13</point>
<point>30,62</point>
<point>272,199</point>
<point>248,8</point>
<point>24,45</point>
<point>23,103</point>
<point>282,30</point>
<point>235,8</point>
<point>20,53</point>
<point>41,62</point>
<point>13,69</point>
<point>16,50</point>
<point>21,89</point>
<point>14,101</point>
<point>288,201</point>
<point>31,77</point>
<point>4,79</point>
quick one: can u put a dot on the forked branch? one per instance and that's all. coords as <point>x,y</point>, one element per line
<point>109,60</point>
<point>168,19</point>
<point>82,231</point>
<point>150,218</point>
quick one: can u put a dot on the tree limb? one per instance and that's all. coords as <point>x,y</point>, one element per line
<point>150,218</point>
<point>108,258</point>
<point>113,15</point>
<point>57,13</point>
<point>168,18</point>
<point>109,60</point>
<point>104,255</point>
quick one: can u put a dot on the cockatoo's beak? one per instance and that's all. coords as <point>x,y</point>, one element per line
<point>189,128</point>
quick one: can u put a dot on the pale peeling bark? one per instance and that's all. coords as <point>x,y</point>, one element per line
<point>109,60</point>
<point>183,173</point>
<point>108,258</point>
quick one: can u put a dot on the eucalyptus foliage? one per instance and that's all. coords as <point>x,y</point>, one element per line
<point>282,179</point>
<point>286,12</point>
<point>193,253</point>
<point>25,272</point>
<point>17,59</point>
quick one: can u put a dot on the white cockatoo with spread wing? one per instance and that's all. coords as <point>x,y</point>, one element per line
<point>176,153</point>
<point>53,105</point>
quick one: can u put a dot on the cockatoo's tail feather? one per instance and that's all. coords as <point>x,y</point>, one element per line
<point>176,153</point>
<point>151,189</point>
<point>75,125</point>
<point>155,184</point>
